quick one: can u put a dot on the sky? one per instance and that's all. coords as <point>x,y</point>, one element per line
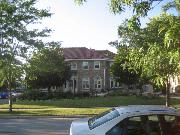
<point>91,25</point>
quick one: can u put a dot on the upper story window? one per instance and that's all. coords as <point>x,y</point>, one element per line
<point>85,65</point>
<point>73,66</point>
<point>97,65</point>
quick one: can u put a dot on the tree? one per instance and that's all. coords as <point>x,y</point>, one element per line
<point>150,52</point>
<point>47,68</point>
<point>122,73</point>
<point>16,40</point>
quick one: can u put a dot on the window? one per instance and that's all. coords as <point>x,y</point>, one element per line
<point>97,65</point>
<point>138,125</point>
<point>114,83</point>
<point>129,126</point>
<point>111,63</point>
<point>134,126</point>
<point>97,83</point>
<point>147,125</point>
<point>85,65</point>
<point>85,83</point>
<point>73,66</point>
<point>65,84</point>
<point>170,125</point>
<point>102,118</point>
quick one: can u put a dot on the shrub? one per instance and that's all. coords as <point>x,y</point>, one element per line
<point>39,95</point>
<point>34,95</point>
<point>82,94</point>
<point>118,93</point>
<point>68,95</point>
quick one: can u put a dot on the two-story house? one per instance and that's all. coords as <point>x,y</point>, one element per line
<point>90,70</point>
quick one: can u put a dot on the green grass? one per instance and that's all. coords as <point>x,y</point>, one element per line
<point>54,111</point>
<point>79,106</point>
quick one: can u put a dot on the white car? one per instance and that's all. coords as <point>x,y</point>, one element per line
<point>130,120</point>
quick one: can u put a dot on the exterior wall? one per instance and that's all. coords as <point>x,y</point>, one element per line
<point>92,74</point>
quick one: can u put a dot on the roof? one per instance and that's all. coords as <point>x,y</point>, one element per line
<point>146,109</point>
<point>106,53</point>
<point>85,53</point>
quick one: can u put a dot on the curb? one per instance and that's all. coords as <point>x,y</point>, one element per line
<point>50,116</point>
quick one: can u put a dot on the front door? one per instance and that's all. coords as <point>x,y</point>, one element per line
<point>74,84</point>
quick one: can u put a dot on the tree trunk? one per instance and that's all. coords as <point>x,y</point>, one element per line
<point>10,97</point>
<point>49,92</point>
<point>10,101</point>
<point>167,92</point>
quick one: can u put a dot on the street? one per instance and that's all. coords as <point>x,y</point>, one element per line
<point>35,126</point>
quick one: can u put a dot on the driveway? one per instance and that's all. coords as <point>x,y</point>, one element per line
<point>35,126</point>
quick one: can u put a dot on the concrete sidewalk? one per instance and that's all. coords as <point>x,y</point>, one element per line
<point>50,116</point>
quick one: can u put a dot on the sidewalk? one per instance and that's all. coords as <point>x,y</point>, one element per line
<point>50,116</point>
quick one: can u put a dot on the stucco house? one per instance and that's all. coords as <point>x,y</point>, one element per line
<point>90,70</point>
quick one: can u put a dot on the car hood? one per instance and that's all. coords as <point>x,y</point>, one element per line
<point>80,127</point>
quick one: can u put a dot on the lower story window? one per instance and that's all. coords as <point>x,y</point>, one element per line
<point>85,83</point>
<point>98,83</point>
<point>114,83</point>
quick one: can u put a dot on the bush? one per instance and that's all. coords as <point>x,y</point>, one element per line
<point>82,94</point>
<point>68,95</point>
<point>34,95</point>
<point>118,93</point>
<point>39,95</point>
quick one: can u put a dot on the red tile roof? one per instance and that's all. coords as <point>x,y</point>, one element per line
<point>85,53</point>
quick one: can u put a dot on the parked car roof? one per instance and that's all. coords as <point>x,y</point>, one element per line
<point>106,122</point>
<point>146,109</point>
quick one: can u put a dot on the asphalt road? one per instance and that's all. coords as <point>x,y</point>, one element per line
<point>35,126</point>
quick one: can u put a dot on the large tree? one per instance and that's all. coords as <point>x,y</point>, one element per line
<point>47,68</point>
<point>151,51</point>
<point>16,40</point>
<point>121,72</point>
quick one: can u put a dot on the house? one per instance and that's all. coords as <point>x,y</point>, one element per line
<point>90,70</point>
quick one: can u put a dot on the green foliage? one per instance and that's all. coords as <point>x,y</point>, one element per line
<point>154,51</point>
<point>36,94</point>
<point>16,40</point>
<point>33,95</point>
<point>79,2</point>
<point>118,93</point>
<point>47,68</point>
<point>172,4</point>
<point>121,72</point>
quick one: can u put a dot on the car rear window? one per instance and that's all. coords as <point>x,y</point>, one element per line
<point>102,118</point>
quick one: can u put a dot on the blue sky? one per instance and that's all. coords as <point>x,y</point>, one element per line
<point>90,25</point>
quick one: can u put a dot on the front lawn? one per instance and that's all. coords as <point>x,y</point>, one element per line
<point>79,106</point>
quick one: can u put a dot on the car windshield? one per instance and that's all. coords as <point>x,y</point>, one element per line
<point>102,118</point>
